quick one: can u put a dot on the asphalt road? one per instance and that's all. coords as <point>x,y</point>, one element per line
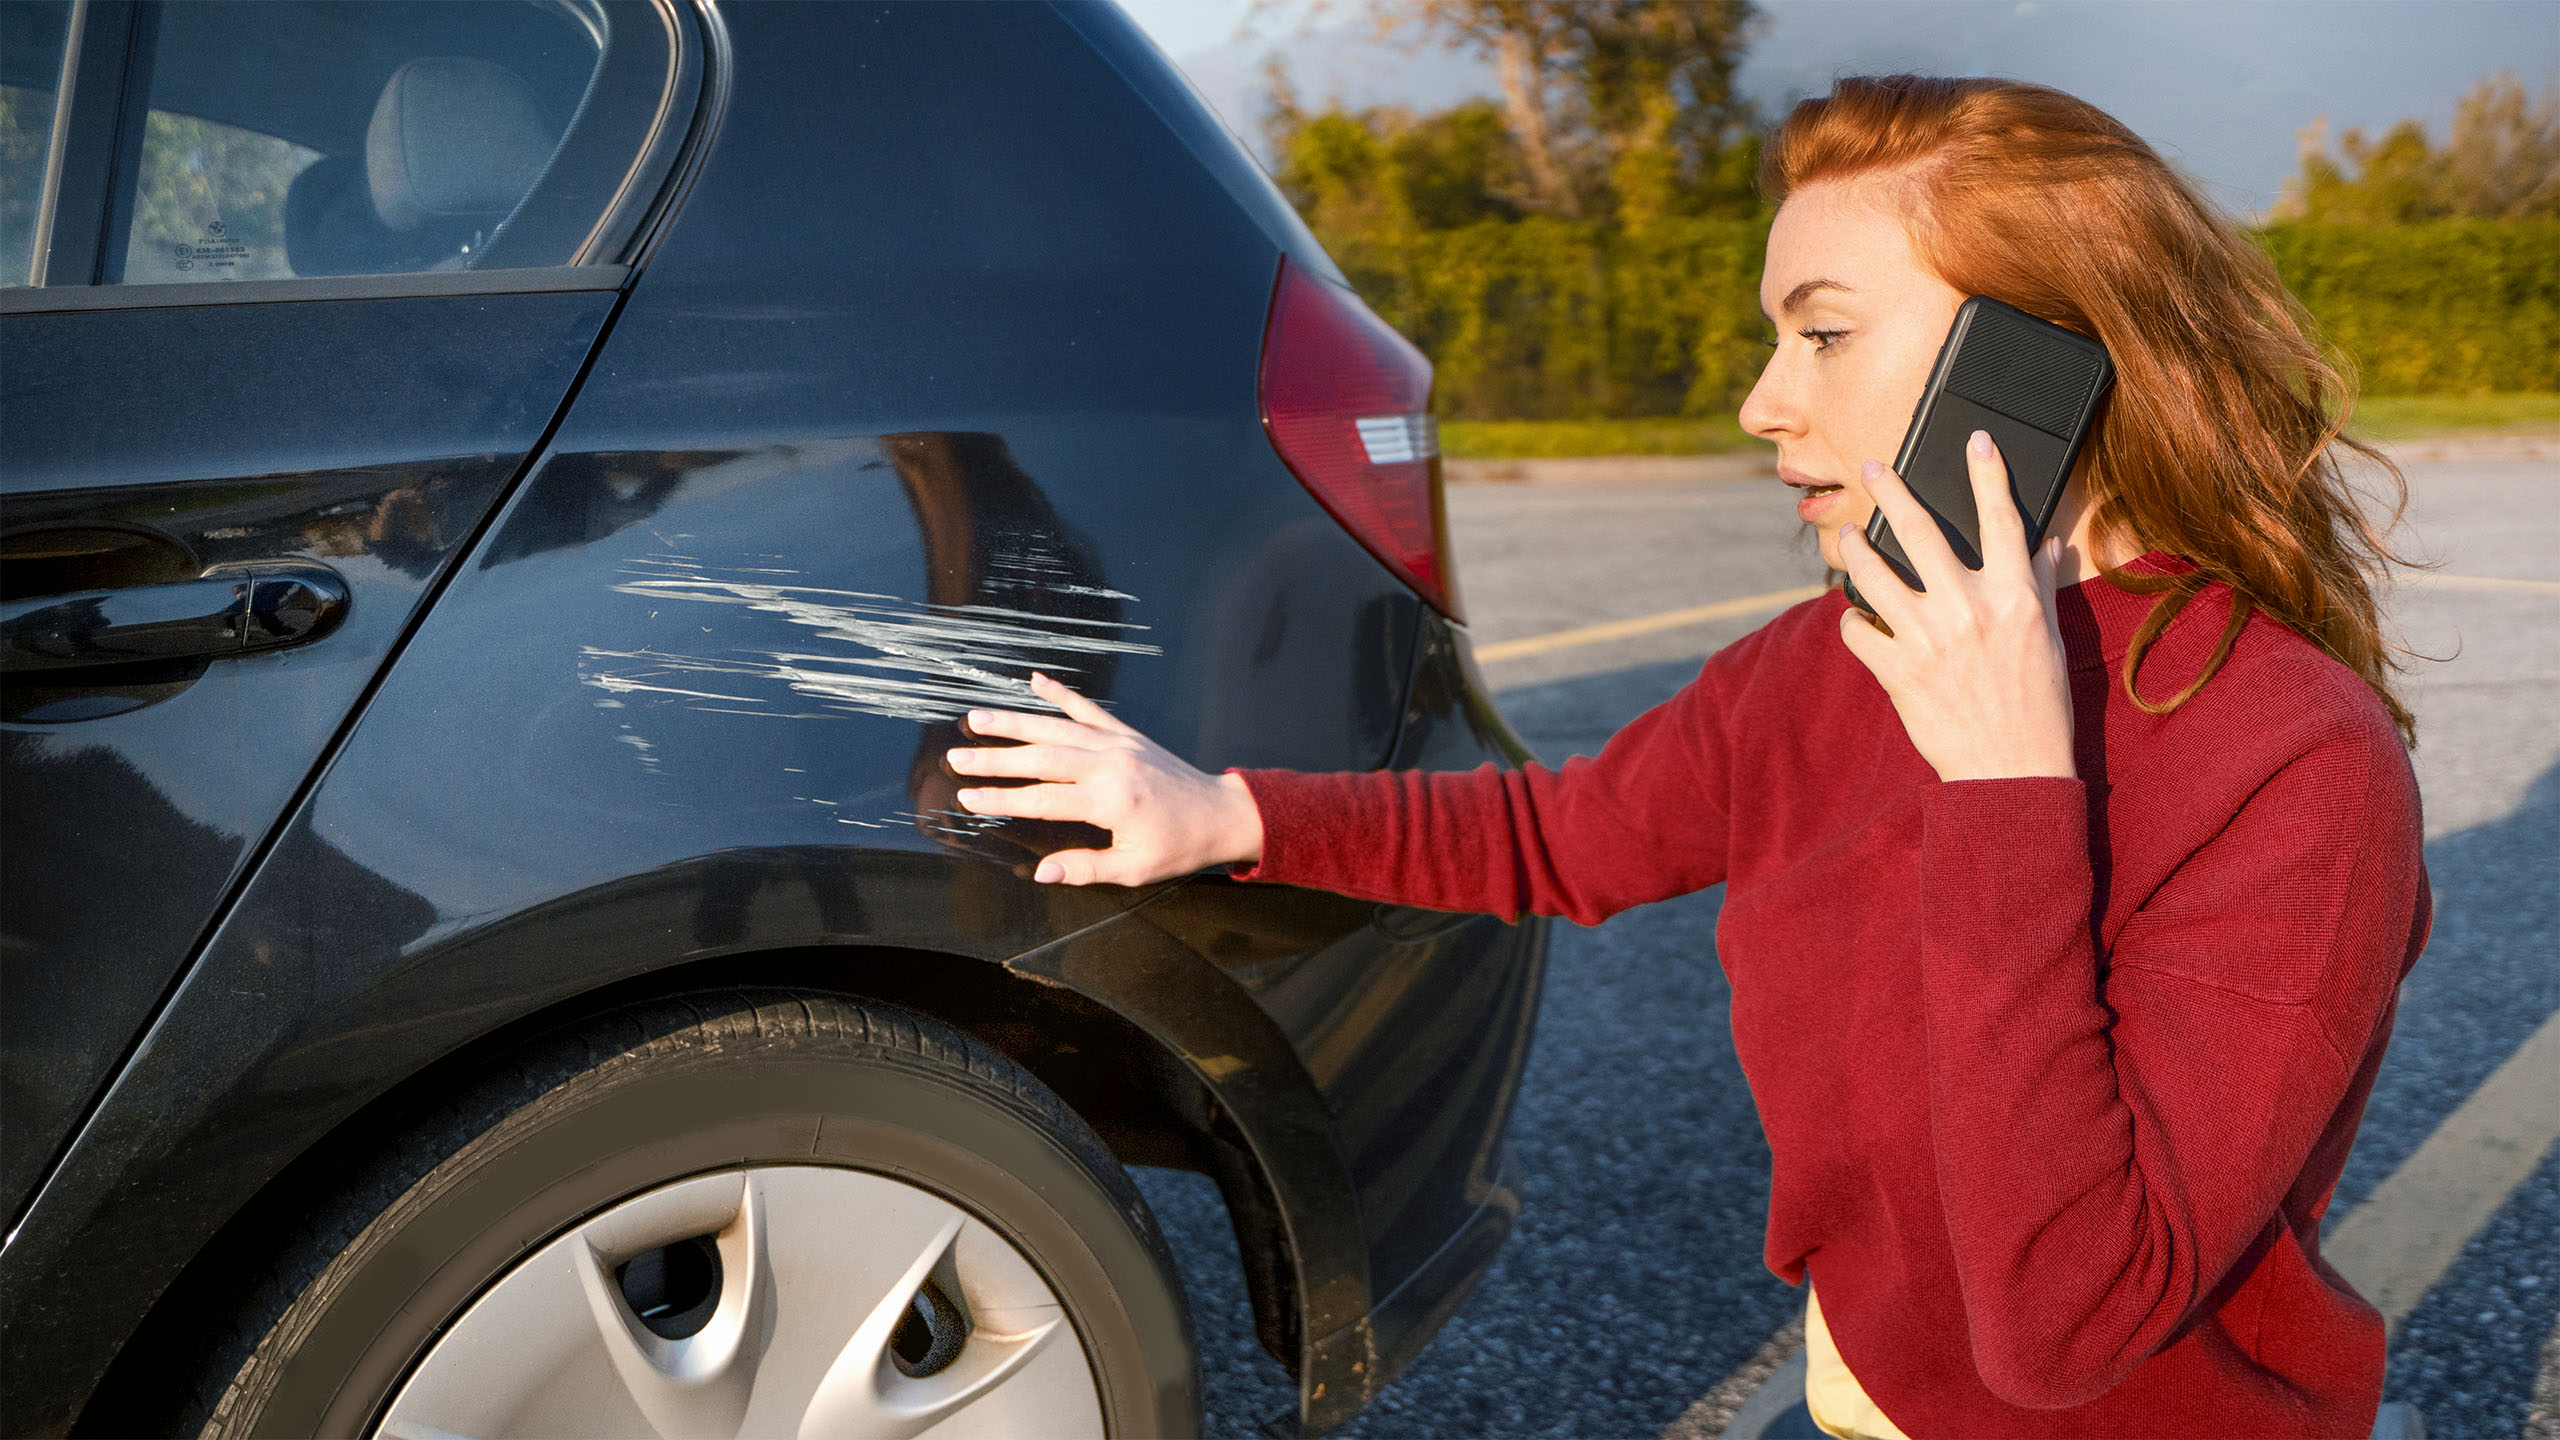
<point>1633,1286</point>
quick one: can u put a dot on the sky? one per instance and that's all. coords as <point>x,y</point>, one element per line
<point>2222,87</point>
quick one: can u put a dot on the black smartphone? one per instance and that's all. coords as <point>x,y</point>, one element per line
<point>2034,386</point>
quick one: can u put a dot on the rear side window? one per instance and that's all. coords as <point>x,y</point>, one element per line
<point>390,136</point>
<point>193,141</point>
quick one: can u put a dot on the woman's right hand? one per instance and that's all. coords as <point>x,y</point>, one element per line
<point>1166,819</point>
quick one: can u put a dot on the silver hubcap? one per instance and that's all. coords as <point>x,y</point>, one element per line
<point>798,1301</point>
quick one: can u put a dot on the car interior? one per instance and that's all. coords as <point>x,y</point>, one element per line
<point>431,123</point>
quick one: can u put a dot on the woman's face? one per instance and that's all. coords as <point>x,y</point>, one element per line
<point>1859,321</point>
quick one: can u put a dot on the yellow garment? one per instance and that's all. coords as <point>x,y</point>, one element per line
<point>1839,1406</point>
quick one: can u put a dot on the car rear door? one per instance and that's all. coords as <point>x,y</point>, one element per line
<point>295,289</point>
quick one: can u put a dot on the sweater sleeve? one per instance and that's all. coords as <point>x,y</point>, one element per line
<point>2111,1139</point>
<point>1644,821</point>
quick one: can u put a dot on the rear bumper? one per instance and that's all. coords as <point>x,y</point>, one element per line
<point>1407,1319</point>
<point>1423,1132</point>
<point>1347,1368</point>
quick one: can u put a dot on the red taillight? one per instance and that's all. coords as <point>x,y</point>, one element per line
<point>1348,403</point>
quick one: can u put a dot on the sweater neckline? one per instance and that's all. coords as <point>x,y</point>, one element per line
<point>2098,617</point>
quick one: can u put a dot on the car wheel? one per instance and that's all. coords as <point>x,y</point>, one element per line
<point>753,1213</point>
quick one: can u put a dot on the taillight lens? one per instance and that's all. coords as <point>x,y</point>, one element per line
<point>1347,402</point>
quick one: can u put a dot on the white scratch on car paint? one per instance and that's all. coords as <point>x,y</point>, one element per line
<point>647,752</point>
<point>639,683</point>
<point>887,656</point>
<point>959,823</point>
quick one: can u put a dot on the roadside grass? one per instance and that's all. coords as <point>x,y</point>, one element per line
<point>1570,439</point>
<point>2378,417</point>
<point>2404,417</point>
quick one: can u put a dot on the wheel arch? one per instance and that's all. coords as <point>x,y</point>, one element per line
<point>1150,1104</point>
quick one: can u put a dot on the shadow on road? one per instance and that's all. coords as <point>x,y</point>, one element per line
<point>2467,1357</point>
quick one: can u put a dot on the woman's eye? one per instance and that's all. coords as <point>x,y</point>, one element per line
<point>1769,340</point>
<point>1822,339</point>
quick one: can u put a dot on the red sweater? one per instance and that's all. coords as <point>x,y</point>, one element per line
<point>2057,1075</point>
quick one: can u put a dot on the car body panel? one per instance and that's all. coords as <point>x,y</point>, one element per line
<point>209,435</point>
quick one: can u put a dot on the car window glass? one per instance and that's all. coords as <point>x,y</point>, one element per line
<point>211,206</point>
<point>336,138</point>
<point>31,41</point>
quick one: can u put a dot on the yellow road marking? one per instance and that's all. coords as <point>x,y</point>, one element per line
<point>1644,624</point>
<point>2411,1229</point>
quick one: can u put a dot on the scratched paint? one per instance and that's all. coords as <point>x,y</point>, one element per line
<point>959,824</point>
<point>1033,565</point>
<point>864,654</point>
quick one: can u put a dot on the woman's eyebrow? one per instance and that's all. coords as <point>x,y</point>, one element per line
<point>1804,292</point>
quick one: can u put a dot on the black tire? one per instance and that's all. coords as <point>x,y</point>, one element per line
<point>612,1108</point>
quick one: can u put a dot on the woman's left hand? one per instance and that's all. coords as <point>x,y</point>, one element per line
<point>1973,664</point>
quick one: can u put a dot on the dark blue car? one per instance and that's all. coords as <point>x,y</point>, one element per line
<point>505,507</point>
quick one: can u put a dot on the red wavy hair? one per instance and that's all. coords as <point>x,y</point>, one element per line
<point>2221,441</point>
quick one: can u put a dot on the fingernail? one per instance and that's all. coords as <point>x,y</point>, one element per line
<point>1049,873</point>
<point>1872,469</point>
<point>1979,443</point>
<point>979,717</point>
<point>967,797</point>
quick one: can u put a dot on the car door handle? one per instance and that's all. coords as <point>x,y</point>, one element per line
<point>234,610</point>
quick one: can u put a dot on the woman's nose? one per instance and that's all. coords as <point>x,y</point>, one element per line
<point>1766,412</point>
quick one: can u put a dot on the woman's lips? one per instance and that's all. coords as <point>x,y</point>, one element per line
<point>1809,508</point>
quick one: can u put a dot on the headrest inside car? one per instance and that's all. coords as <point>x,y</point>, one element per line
<point>453,139</point>
<point>329,224</point>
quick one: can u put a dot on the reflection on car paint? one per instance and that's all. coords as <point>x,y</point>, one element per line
<point>1008,587</point>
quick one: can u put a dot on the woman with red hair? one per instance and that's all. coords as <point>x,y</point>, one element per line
<point>2067,906</point>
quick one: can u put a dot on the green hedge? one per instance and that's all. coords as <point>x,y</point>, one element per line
<point>2444,306</point>
<point>1541,318</point>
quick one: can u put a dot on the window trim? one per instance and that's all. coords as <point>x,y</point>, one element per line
<point>133,119</point>
<point>80,170</point>
<point>635,225</point>
<point>398,285</point>
<point>66,83</point>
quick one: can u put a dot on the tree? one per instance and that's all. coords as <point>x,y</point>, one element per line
<point>1389,170</point>
<point>1657,84</point>
<point>2503,164</point>
<point>1583,246</point>
<point>1612,106</point>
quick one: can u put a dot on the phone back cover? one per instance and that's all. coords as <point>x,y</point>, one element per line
<point>2034,386</point>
